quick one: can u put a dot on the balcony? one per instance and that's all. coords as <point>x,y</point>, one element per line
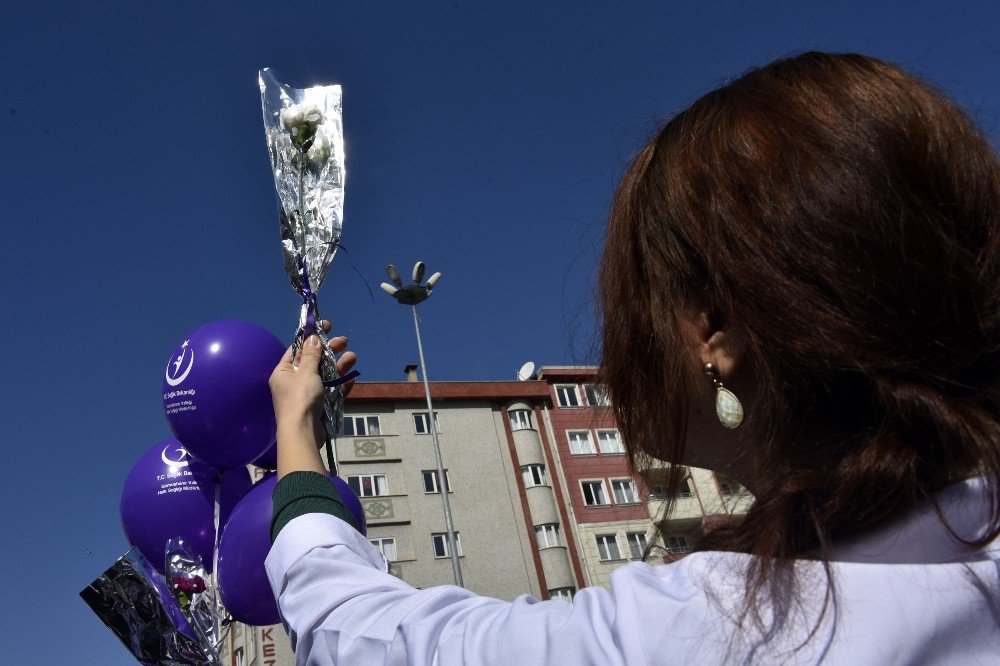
<point>684,508</point>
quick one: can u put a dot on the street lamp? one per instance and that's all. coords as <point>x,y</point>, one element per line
<point>412,295</point>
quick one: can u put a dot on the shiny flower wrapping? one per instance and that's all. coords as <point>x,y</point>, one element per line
<point>196,594</point>
<point>134,602</point>
<point>305,141</point>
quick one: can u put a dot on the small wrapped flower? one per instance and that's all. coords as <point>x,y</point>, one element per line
<point>301,121</point>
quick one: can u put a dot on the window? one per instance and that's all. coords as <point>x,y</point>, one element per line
<point>533,475</point>
<point>636,545</point>
<point>728,487</point>
<point>422,424</point>
<point>368,485</point>
<point>597,395</point>
<point>547,535</point>
<point>607,546</point>
<point>520,419</point>
<point>564,593</point>
<point>441,544</point>
<point>568,395</point>
<point>610,441</point>
<point>361,426</point>
<point>662,491</point>
<point>624,491</point>
<point>580,443</point>
<point>593,493</point>
<point>387,547</point>
<point>676,544</point>
<point>431,484</point>
<point>659,493</point>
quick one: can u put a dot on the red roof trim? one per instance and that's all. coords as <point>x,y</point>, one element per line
<point>388,391</point>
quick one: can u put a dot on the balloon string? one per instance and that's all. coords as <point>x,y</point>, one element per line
<point>215,559</point>
<point>367,286</point>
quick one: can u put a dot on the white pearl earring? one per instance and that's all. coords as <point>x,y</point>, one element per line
<point>727,406</point>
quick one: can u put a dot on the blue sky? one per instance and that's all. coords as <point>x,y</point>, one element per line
<point>482,138</point>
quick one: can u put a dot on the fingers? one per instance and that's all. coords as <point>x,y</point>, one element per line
<point>338,344</point>
<point>310,352</point>
<point>346,362</point>
<point>325,325</point>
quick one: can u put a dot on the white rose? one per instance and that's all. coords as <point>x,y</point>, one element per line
<point>312,116</point>
<point>291,117</point>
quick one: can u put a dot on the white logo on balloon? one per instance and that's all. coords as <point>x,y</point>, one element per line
<point>172,378</point>
<point>181,462</point>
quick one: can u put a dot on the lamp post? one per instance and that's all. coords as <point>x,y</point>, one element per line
<point>412,295</point>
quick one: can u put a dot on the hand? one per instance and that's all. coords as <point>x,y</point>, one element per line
<point>296,387</point>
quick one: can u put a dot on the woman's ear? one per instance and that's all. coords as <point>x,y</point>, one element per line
<point>723,347</point>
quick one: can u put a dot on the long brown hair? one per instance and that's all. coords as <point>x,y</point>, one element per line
<point>846,217</point>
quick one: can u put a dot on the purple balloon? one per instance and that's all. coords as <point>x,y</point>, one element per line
<point>169,494</point>
<point>215,392</point>
<point>243,547</point>
<point>268,459</point>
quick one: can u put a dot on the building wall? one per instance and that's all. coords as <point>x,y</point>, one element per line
<point>666,536</point>
<point>485,503</point>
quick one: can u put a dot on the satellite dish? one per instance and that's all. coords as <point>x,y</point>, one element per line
<point>527,371</point>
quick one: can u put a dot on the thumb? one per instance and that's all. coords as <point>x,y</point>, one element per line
<point>312,352</point>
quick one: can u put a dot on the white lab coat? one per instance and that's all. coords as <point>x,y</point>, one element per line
<point>908,594</point>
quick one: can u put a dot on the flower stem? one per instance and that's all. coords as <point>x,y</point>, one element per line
<point>302,209</point>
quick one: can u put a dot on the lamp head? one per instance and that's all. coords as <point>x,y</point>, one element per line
<point>432,280</point>
<point>394,275</point>
<point>418,272</point>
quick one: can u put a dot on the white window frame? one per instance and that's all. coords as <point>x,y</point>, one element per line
<point>599,393</point>
<point>605,552</point>
<point>443,537</point>
<point>604,492</point>
<point>576,394</point>
<point>374,484</point>
<point>437,486</point>
<point>365,421</point>
<point>633,497</point>
<point>421,418</point>
<point>520,419</point>
<point>618,448</point>
<point>381,543</point>
<point>590,442</point>
<point>547,535</point>
<point>676,544</point>
<point>564,593</point>
<point>533,475</point>
<point>637,544</point>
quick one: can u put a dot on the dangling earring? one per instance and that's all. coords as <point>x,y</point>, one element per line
<point>727,405</point>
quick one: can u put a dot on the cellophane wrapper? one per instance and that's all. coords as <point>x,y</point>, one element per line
<point>133,600</point>
<point>196,592</point>
<point>309,180</point>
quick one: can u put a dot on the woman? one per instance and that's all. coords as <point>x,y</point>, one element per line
<point>800,288</point>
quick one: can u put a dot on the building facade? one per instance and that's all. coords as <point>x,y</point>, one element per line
<point>541,494</point>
